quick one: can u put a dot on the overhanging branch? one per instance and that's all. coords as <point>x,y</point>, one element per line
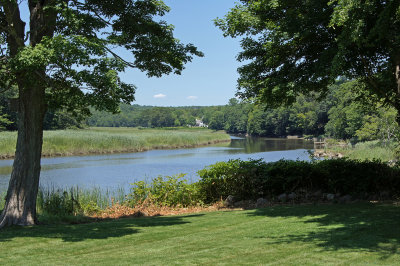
<point>120,58</point>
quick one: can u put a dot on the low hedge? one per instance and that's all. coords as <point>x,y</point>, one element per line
<point>255,178</point>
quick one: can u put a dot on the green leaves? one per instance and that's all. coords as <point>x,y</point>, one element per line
<point>255,178</point>
<point>169,191</point>
<point>75,59</point>
<point>33,58</point>
<point>293,47</point>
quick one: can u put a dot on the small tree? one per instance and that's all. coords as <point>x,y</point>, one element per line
<point>67,58</point>
<point>303,46</point>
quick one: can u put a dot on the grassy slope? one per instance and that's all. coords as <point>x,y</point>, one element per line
<point>108,140</point>
<point>327,234</point>
<point>368,150</point>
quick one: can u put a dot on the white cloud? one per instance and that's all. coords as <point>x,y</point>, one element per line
<point>158,96</point>
<point>192,97</point>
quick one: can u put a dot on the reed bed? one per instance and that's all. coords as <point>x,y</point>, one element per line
<point>114,140</point>
<point>77,201</point>
<point>369,150</point>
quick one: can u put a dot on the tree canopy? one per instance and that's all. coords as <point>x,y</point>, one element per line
<point>72,48</point>
<point>292,47</point>
<point>66,54</point>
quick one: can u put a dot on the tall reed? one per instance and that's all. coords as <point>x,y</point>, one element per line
<point>109,140</point>
<point>75,200</point>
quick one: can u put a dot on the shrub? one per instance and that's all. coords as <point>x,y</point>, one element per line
<point>235,177</point>
<point>164,191</point>
<point>255,178</point>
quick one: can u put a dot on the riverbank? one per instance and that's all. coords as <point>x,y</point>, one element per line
<point>369,150</point>
<point>114,140</point>
<point>354,234</point>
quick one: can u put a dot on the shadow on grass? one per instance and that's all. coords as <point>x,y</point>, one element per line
<point>367,227</point>
<point>96,230</point>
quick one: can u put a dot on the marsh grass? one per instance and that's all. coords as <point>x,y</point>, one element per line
<point>114,140</point>
<point>369,150</point>
<point>74,204</point>
<point>76,201</point>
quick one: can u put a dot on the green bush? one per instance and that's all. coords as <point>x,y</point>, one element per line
<point>235,177</point>
<point>168,191</point>
<point>255,178</point>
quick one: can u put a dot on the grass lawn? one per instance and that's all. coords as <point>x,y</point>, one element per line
<point>324,234</point>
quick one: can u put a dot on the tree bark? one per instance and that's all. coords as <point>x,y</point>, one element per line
<point>397,75</point>
<point>20,207</point>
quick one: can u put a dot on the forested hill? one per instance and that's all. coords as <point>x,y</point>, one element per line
<point>336,115</point>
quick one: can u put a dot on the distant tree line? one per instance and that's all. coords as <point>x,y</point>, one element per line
<point>146,116</point>
<point>345,112</point>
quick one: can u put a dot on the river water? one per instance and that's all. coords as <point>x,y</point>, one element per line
<point>119,170</point>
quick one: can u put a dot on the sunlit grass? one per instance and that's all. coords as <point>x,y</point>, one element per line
<point>7,143</point>
<point>113,140</point>
<point>369,150</point>
<point>354,234</point>
<point>2,198</point>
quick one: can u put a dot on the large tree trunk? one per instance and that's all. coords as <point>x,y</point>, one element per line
<point>20,207</point>
<point>397,74</point>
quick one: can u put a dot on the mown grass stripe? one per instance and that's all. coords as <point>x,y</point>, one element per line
<point>323,234</point>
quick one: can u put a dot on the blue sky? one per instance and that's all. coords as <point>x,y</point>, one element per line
<point>210,80</point>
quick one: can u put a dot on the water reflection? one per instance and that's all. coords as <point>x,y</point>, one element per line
<point>254,145</point>
<point>118,170</point>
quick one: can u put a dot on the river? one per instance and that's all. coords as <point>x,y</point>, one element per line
<point>119,170</point>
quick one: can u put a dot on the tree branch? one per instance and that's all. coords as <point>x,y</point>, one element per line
<point>77,3</point>
<point>120,58</point>
<point>15,27</point>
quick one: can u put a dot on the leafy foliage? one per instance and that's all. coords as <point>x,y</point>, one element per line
<point>293,47</point>
<point>164,191</point>
<point>77,53</point>
<point>68,60</point>
<point>255,178</point>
